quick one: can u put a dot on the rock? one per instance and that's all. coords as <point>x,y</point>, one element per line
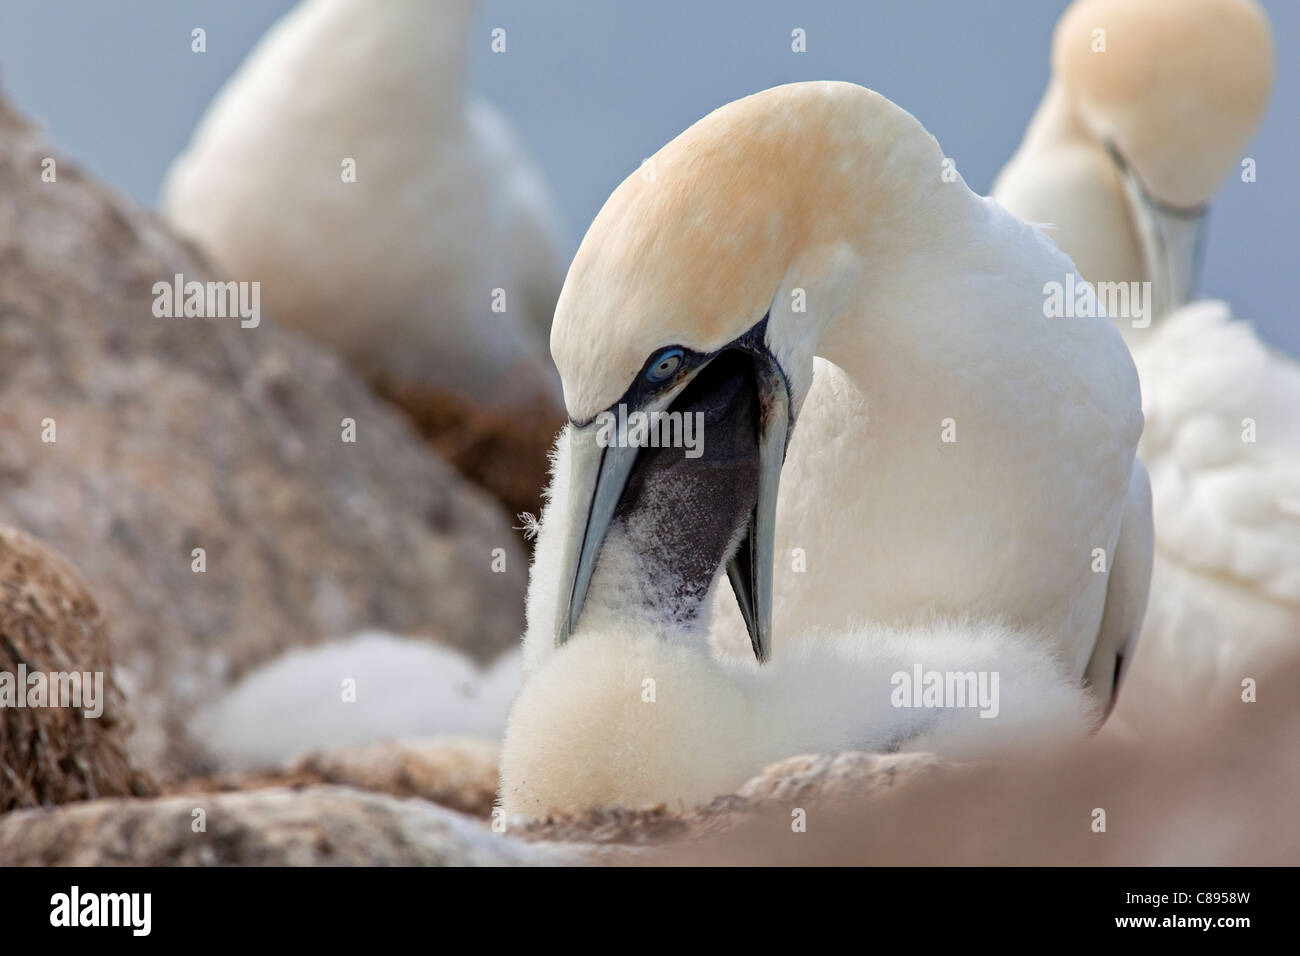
<point>50,624</point>
<point>456,772</point>
<point>312,826</point>
<point>129,442</point>
<point>821,779</point>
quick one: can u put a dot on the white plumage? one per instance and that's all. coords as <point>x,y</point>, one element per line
<point>633,712</point>
<point>373,686</point>
<point>896,304</point>
<point>397,270</point>
<point>1225,589</point>
<point>1178,95</point>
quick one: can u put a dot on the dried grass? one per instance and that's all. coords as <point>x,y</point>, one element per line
<point>50,622</point>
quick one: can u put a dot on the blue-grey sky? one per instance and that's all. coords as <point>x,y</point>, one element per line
<point>595,86</point>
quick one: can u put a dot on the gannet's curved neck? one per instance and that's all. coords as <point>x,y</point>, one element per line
<point>941,279</point>
<point>1054,122</point>
<point>1062,178</point>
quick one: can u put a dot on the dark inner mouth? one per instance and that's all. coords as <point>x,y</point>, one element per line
<point>685,513</point>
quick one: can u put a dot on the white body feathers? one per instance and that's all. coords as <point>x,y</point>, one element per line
<point>396,267</point>
<point>925,307</point>
<point>1180,93</point>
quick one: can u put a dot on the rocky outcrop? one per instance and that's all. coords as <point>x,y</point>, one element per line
<point>200,473</point>
<point>378,805</point>
<point>55,749</point>
<point>835,778</point>
<point>312,826</point>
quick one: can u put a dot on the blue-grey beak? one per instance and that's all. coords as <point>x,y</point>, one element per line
<point>1170,237</point>
<point>600,472</point>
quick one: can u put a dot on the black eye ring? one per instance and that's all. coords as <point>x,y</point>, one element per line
<point>664,366</point>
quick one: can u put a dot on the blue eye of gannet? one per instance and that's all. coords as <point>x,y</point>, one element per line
<point>664,366</point>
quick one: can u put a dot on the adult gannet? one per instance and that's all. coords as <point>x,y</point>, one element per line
<point>1150,105</point>
<point>1122,158</point>
<point>389,217</point>
<point>800,267</point>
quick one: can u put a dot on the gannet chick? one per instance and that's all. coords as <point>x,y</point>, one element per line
<point>799,272</point>
<point>392,219</point>
<point>636,711</point>
<point>369,687</point>
<point>1122,158</point>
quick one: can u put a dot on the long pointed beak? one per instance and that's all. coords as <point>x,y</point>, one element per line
<point>1170,238</point>
<point>751,568</point>
<point>599,474</point>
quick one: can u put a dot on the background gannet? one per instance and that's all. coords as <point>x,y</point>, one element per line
<point>800,266</point>
<point>1130,142</point>
<point>1122,159</point>
<point>399,269</point>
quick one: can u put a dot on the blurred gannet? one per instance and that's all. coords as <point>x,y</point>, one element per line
<point>402,270</point>
<point>799,268</point>
<point>1131,141</point>
<point>1122,159</point>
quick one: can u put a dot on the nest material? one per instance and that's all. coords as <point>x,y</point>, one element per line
<point>502,450</point>
<point>50,622</point>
